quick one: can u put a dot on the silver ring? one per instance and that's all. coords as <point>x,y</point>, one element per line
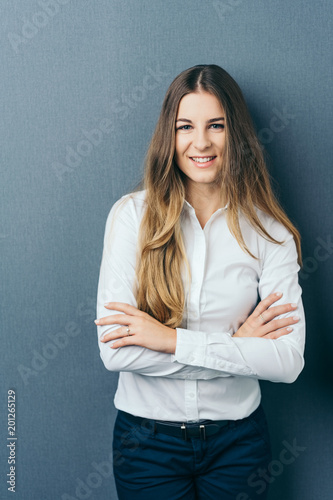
<point>262,317</point>
<point>128,331</point>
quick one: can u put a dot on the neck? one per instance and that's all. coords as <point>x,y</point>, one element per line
<point>205,199</point>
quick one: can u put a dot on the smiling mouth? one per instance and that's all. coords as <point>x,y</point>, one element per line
<point>202,159</point>
<point>203,162</point>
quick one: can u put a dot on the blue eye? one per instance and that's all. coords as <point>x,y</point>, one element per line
<point>217,126</point>
<point>184,127</point>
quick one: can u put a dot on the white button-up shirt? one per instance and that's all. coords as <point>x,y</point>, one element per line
<point>212,374</point>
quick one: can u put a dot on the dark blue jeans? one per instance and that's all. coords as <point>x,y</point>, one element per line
<point>149,465</point>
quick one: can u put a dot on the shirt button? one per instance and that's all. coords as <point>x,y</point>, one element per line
<point>191,395</point>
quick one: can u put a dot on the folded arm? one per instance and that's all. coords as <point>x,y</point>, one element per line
<point>278,358</point>
<point>266,351</point>
<point>116,283</point>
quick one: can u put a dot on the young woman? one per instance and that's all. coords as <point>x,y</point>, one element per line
<point>185,263</point>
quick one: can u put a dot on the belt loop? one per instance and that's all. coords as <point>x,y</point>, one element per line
<point>148,424</point>
<point>153,426</point>
<point>203,432</point>
<point>184,434</point>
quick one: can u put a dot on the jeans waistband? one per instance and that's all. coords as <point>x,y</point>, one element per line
<point>177,429</point>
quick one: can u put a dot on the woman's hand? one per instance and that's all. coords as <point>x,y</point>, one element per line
<point>261,322</point>
<point>139,329</point>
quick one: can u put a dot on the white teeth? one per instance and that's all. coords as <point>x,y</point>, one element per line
<point>203,160</point>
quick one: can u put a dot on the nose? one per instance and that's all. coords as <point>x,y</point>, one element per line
<point>201,139</point>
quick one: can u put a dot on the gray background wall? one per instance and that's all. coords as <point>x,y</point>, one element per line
<point>81,86</point>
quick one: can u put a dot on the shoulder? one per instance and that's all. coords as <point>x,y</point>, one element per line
<point>129,207</point>
<point>261,245</point>
<point>125,216</point>
<point>274,228</point>
<point>271,225</point>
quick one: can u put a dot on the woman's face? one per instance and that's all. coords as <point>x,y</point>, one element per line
<point>200,137</point>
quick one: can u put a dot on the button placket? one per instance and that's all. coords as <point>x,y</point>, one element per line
<point>191,400</point>
<point>199,257</point>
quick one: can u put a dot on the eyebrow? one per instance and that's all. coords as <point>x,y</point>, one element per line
<point>208,121</point>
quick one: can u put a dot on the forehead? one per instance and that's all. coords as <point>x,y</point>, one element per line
<point>199,105</point>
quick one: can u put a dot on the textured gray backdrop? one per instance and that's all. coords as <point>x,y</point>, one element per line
<point>81,86</point>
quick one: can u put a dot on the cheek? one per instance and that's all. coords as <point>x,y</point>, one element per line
<point>181,145</point>
<point>220,143</point>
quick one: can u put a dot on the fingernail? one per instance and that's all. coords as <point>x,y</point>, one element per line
<point>293,305</point>
<point>289,329</point>
<point>97,321</point>
<point>278,294</point>
<point>106,304</point>
<point>295,317</point>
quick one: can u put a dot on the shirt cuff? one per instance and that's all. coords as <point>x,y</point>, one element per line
<point>190,347</point>
<point>216,351</point>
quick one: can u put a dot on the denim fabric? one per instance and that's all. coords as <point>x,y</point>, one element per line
<point>149,465</point>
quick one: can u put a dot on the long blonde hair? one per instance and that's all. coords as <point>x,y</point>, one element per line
<point>244,179</point>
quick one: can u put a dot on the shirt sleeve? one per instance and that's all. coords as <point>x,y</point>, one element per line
<point>116,283</point>
<point>276,360</point>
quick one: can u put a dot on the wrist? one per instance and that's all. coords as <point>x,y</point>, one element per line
<point>172,341</point>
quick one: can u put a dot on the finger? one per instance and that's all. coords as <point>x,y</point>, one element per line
<point>115,319</point>
<point>123,307</point>
<point>276,324</point>
<point>266,303</point>
<point>122,332</point>
<point>125,341</point>
<point>273,312</point>
<point>279,333</point>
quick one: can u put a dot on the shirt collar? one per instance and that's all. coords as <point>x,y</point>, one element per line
<point>188,206</point>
